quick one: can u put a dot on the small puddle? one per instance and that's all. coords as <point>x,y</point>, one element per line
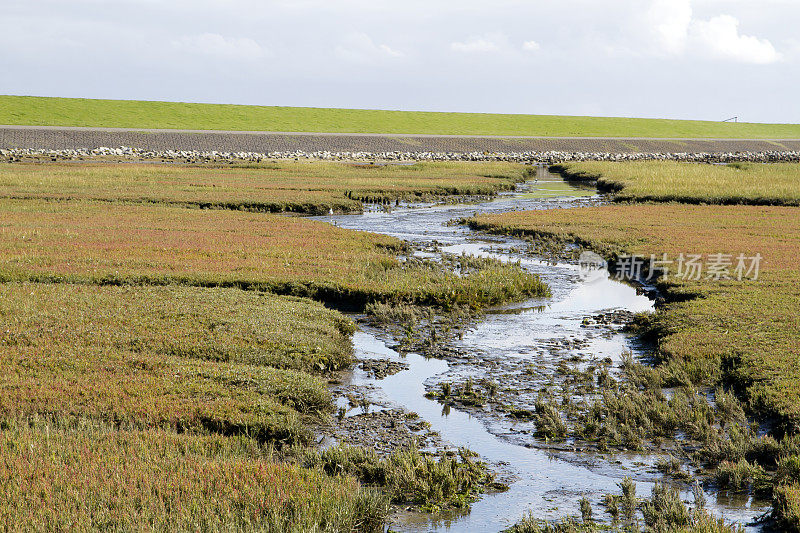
<point>538,333</point>
<point>546,185</point>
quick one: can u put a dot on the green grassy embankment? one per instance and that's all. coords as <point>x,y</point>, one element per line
<point>42,111</point>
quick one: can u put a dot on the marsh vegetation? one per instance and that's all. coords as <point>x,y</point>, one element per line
<point>90,242</point>
<point>717,339</point>
<point>157,356</point>
<point>696,183</point>
<point>271,186</point>
<point>159,341</point>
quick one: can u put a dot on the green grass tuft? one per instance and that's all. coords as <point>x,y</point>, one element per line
<point>409,476</point>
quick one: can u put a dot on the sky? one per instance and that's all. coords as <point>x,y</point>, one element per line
<point>689,59</point>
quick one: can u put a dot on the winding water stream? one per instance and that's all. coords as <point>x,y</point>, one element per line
<point>538,332</point>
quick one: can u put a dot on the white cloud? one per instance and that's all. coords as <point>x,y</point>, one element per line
<point>216,45</point>
<point>491,42</point>
<point>677,32</point>
<point>721,38</point>
<point>530,46</point>
<point>360,48</point>
<point>670,20</point>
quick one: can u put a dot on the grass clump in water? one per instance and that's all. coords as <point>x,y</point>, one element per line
<point>662,512</point>
<point>741,475</point>
<point>787,507</point>
<point>671,466</point>
<point>549,424</point>
<point>409,476</point>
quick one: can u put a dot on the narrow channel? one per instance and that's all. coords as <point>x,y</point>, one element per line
<point>549,481</point>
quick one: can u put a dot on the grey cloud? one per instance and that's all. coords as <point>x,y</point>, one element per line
<point>732,57</point>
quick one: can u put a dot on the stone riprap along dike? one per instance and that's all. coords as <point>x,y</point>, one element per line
<point>18,142</point>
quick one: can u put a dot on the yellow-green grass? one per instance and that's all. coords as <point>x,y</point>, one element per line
<point>745,332</point>
<point>660,181</point>
<point>218,325</point>
<point>787,507</point>
<point>90,477</point>
<point>105,243</point>
<point>185,358</point>
<point>304,187</point>
<point>41,111</point>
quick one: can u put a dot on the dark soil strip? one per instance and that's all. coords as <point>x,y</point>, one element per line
<point>88,138</point>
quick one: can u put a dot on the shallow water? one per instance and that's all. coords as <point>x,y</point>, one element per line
<point>538,332</point>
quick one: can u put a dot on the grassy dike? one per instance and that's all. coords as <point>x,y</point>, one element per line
<point>710,333</point>
<point>41,111</point>
<point>143,388</point>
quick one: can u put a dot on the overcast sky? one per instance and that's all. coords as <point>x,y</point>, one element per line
<point>706,59</point>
